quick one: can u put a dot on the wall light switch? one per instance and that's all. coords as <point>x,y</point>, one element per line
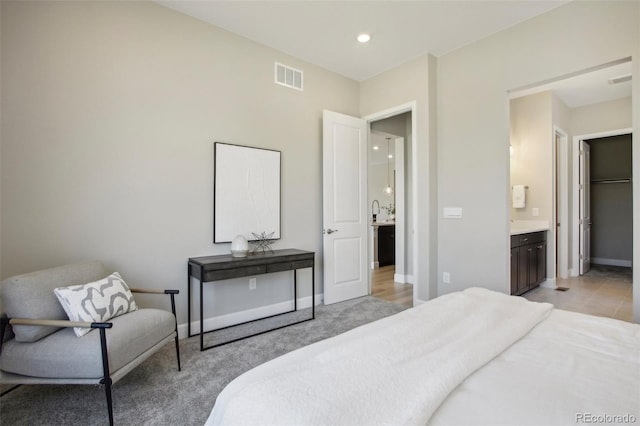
<point>535,212</point>
<point>452,213</point>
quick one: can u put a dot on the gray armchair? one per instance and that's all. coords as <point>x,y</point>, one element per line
<point>36,337</point>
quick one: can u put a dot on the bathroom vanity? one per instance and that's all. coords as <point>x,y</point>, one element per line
<point>383,242</point>
<point>528,259</point>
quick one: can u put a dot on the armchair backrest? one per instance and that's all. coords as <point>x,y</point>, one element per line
<point>31,295</point>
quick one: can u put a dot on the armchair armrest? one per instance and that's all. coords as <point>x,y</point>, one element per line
<point>153,291</point>
<point>59,323</point>
<point>53,323</point>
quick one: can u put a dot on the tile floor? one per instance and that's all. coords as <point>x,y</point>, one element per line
<point>605,291</point>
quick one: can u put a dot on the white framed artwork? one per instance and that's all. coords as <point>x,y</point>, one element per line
<point>246,192</point>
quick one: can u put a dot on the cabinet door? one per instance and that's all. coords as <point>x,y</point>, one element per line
<point>524,254</point>
<point>541,262</point>
<point>386,245</point>
<point>515,256</point>
<point>532,265</point>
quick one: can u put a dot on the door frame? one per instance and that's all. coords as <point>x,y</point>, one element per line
<point>575,267</point>
<point>390,112</point>
<point>561,202</point>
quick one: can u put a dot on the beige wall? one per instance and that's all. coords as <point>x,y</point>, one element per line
<point>602,117</point>
<point>110,111</point>
<point>109,114</point>
<point>531,160</point>
<point>473,124</point>
<point>404,84</point>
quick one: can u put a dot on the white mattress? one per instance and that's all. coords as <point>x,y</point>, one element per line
<point>474,357</point>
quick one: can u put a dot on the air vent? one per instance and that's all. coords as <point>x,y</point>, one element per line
<point>620,79</point>
<point>289,77</point>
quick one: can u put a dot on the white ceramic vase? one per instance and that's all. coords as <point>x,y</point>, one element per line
<point>239,246</point>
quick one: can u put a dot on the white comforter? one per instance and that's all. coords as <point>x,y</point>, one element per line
<point>394,371</point>
<point>571,369</point>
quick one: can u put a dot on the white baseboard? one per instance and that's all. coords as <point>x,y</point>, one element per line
<point>375,265</point>
<point>611,262</point>
<point>403,278</point>
<point>549,283</point>
<point>213,323</point>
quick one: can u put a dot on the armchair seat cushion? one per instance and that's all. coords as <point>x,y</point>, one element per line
<point>64,355</point>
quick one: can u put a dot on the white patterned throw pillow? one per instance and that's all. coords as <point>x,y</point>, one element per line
<point>98,301</point>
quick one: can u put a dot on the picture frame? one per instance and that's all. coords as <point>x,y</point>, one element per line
<point>246,192</point>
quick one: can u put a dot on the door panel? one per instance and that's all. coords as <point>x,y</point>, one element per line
<point>344,207</point>
<point>585,208</point>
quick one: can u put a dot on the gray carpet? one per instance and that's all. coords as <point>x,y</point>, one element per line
<point>155,393</point>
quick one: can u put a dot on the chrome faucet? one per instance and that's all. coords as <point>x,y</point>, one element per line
<point>373,213</point>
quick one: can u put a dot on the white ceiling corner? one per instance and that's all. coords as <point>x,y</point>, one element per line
<point>323,32</point>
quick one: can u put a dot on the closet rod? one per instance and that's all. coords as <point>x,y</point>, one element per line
<point>611,181</point>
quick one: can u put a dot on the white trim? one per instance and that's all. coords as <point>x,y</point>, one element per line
<point>403,278</point>
<point>400,204</point>
<point>575,190</point>
<point>611,262</point>
<point>400,109</point>
<point>562,182</point>
<point>375,265</point>
<point>549,283</point>
<point>234,318</point>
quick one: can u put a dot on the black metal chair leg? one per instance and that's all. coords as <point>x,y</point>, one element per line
<point>107,391</point>
<point>178,352</point>
<point>106,380</point>
<point>172,294</point>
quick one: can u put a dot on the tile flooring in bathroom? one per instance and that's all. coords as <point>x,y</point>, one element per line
<point>604,291</point>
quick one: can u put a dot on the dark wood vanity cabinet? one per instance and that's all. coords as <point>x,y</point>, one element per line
<point>528,261</point>
<point>386,245</point>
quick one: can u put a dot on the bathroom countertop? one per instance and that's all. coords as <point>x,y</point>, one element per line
<point>383,223</point>
<point>525,226</point>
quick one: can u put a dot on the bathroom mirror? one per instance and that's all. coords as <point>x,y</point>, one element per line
<point>246,192</point>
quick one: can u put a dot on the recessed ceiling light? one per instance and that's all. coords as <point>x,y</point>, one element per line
<point>390,156</point>
<point>376,147</point>
<point>364,37</point>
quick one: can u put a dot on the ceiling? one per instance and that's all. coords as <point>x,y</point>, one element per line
<point>586,88</point>
<point>324,32</point>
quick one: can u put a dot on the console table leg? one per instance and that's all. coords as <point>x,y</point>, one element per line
<point>295,290</point>
<point>313,292</point>
<point>188,300</point>
<point>201,316</point>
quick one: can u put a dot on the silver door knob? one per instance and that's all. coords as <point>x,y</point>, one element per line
<point>331,231</point>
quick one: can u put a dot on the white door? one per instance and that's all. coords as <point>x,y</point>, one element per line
<point>344,171</point>
<point>585,209</point>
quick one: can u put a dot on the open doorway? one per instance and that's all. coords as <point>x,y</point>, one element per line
<point>604,190</point>
<point>547,159</point>
<point>389,189</point>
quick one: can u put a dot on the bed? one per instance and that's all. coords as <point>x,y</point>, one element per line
<point>470,357</point>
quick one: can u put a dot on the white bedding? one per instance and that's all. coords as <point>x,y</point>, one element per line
<point>458,359</point>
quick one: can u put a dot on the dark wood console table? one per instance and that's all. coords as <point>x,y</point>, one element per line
<point>208,269</point>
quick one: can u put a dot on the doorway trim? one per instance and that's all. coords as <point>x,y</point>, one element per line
<point>390,112</point>
<point>561,201</point>
<point>575,268</point>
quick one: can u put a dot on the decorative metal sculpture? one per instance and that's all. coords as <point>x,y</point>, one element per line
<point>262,242</point>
